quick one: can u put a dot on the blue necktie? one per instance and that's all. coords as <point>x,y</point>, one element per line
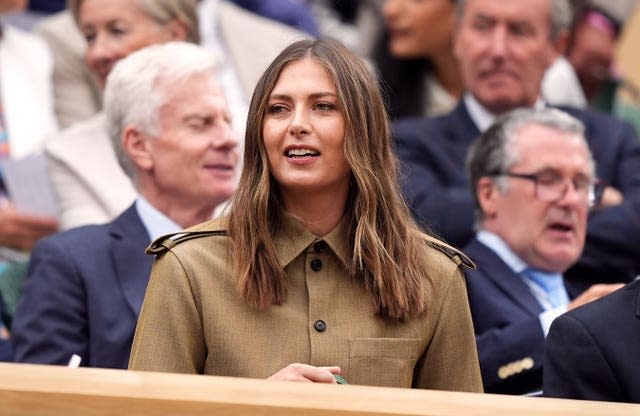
<point>551,283</point>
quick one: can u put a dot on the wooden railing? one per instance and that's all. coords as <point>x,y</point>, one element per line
<point>48,390</point>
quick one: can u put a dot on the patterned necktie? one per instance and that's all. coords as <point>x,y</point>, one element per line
<point>551,283</point>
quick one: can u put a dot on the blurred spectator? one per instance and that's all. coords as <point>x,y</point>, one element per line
<point>25,85</point>
<point>25,71</point>
<point>78,96</point>
<point>90,185</point>
<point>76,91</point>
<point>504,49</point>
<point>591,53</point>
<point>591,49</point>
<point>589,60</point>
<point>296,13</point>
<point>414,57</point>
<point>88,182</point>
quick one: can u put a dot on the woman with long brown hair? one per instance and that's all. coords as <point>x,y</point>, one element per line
<point>319,269</point>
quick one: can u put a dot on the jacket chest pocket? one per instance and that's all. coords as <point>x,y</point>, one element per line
<point>383,361</point>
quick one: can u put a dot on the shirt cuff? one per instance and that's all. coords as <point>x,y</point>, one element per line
<point>547,317</point>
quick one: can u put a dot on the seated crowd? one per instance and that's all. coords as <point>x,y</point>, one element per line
<point>509,269</point>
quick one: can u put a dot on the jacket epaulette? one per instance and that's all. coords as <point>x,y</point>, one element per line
<point>165,243</point>
<point>457,256</point>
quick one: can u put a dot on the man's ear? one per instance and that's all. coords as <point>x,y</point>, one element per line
<point>178,30</point>
<point>487,193</point>
<point>138,146</point>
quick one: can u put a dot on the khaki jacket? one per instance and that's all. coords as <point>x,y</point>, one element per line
<point>193,321</point>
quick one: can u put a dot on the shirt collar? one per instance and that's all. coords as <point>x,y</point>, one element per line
<point>156,223</point>
<point>481,116</point>
<point>502,250</point>
<point>294,238</point>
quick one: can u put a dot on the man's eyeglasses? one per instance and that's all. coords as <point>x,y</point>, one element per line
<point>551,187</point>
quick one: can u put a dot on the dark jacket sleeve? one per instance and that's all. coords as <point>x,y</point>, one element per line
<point>51,319</point>
<point>574,367</point>
<point>612,250</point>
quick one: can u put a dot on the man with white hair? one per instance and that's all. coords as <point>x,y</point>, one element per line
<point>171,130</point>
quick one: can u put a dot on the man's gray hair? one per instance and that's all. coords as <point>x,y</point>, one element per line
<point>493,154</point>
<point>162,11</point>
<point>136,88</point>
<point>561,15</point>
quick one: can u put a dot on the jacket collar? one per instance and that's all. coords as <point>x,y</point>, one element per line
<point>294,238</point>
<point>496,270</point>
<point>132,266</point>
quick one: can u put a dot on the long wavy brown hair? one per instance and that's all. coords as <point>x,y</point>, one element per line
<point>385,241</point>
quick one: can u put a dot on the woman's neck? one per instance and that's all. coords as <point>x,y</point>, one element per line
<point>320,212</point>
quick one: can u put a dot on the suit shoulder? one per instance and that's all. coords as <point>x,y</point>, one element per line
<point>210,229</point>
<point>416,125</point>
<point>421,132</point>
<point>597,121</point>
<point>75,238</point>
<point>453,254</point>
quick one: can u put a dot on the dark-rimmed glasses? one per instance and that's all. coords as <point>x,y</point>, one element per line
<point>551,187</point>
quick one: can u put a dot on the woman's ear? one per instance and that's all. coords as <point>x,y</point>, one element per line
<point>137,145</point>
<point>178,30</point>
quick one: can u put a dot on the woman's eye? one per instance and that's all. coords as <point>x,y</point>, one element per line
<point>324,106</point>
<point>118,28</point>
<point>277,109</point>
<point>89,36</point>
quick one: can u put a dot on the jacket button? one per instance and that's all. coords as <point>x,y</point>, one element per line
<point>320,326</point>
<point>316,265</point>
<point>319,247</point>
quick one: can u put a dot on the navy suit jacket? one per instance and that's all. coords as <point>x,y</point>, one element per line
<point>505,319</point>
<point>83,294</point>
<point>433,152</point>
<point>6,351</point>
<point>593,352</point>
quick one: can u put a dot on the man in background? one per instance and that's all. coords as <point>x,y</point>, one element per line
<point>171,131</point>
<point>533,183</point>
<point>504,49</point>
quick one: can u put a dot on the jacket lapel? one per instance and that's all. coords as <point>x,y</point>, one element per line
<point>502,276</point>
<point>132,265</point>
<point>462,127</point>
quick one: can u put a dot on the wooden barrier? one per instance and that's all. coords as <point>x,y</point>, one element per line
<point>49,390</point>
